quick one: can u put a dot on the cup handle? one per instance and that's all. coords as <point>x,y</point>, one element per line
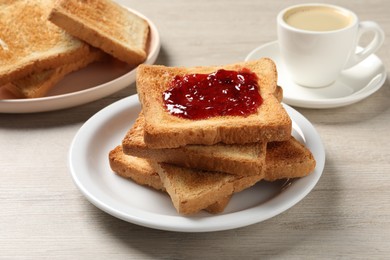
<point>373,46</point>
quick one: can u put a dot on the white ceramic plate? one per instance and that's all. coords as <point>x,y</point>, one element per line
<point>90,170</point>
<point>352,85</point>
<point>89,84</point>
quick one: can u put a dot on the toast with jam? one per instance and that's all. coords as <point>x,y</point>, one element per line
<point>237,159</point>
<point>203,152</point>
<point>234,104</point>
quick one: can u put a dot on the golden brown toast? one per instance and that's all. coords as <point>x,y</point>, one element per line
<point>237,159</point>
<point>162,130</point>
<point>106,25</point>
<point>284,160</point>
<point>289,159</point>
<point>40,83</point>
<point>141,172</point>
<point>218,206</point>
<point>192,190</point>
<point>29,43</point>
<point>240,159</point>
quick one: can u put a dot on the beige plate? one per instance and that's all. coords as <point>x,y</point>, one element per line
<point>89,84</point>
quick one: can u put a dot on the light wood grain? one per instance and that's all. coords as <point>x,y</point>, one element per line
<point>346,216</point>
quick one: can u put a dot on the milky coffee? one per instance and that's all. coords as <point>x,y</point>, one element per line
<point>317,18</point>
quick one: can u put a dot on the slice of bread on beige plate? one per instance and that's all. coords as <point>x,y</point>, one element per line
<point>29,43</point>
<point>40,83</point>
<point>106,25</point>
<point>270,122</point>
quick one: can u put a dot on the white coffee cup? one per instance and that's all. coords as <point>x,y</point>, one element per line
<point>318,41</point>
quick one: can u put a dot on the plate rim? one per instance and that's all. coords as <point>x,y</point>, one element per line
<point>327,102</point>
<point>180,223</point>
<point>34,105</point>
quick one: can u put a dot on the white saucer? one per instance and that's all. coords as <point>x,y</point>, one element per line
<point>352,85</point>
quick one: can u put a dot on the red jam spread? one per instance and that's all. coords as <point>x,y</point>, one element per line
<point>221,93</point>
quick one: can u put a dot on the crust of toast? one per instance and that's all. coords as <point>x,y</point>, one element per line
<point>105,25</point>
<point>162,130</point>
<point>219,206</point>
<point>29,43</point>
<point>279,93</point>
<point>243,160</point>
<point>38,84</point>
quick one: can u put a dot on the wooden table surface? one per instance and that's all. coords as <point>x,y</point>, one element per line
<point>346,216</point>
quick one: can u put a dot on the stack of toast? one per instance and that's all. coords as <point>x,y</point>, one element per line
<point>201,163</point>
<point>42,41</point>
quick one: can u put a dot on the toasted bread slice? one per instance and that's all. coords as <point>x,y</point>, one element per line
<point>192,190</point>
<point>141,171</point>
<point>38,84</point>
<point>162,130</point>
<point>240,159</point>
<point>138,169</point>
<point>289,159</point>
<point>284,160</point>
<point>29,43</point>
<point>105,25</point>
<point>219,206</point>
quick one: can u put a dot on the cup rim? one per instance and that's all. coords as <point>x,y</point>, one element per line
<point>282,22</point>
